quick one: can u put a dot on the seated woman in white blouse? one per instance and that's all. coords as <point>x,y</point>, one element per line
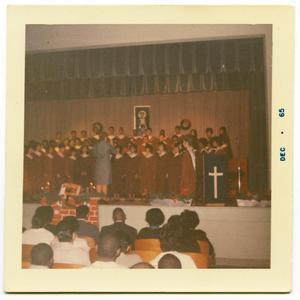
<point>37,234</point>
<point>65,251</point>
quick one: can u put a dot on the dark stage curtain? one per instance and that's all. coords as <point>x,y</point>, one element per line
<point>160,69</point>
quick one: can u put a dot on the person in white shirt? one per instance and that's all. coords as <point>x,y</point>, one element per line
<point>41,256</point>
<point>109,248</point>
<point>37,234</point>
<point>65,251</point>
<point>125,258</point>
<point>77,241</point>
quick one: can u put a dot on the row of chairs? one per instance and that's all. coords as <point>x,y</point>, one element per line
<point>147,249</point>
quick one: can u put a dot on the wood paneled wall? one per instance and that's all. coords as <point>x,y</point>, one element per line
<point>204,109</point>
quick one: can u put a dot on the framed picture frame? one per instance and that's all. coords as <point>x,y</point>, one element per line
<point>141,117</point>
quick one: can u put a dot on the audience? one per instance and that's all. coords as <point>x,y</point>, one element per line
<point>109,248</point>
<point>119,219</point>
<point>37,234</point>
<point>65,251</point>
<point>178,236</point>
<point>142,265</point>
<point>125,258</point>
<point>189,221</point>
<point>171,239</point>
<point>155,218</point>
<point>169,261</point>
<point>41,256</point>
<point>86,228</point>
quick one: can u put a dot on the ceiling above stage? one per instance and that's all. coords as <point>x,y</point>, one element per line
<point>41,38</point>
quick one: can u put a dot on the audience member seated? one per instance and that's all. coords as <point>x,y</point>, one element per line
<point>86,228</point>
<point>47,212</point>
<point>171,242</point>
<point>169,261</point>
<point>189,221</point>
<point>142,265</point>
<point>187,243</point>
<point>65,251</point>
<point>77,241</point>
<point>109,248</point>
<point>37,234</point>
<point>119,219</point>
<point>125,258</point>
<point>155,218</point>
<point>41,256</point>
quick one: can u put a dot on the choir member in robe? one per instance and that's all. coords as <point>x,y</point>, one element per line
<point>162,170</point>
<point>178,133</point>
<point>84,167</point>
<point>58,137</point>
<point>132,172</point>
<point>188,168</point>
<point>83,136</point>
<point>151,139</point>
<point>28,173</point>
<point>60,167</point>
<point>123,140</point>
<point>194,133</point>
<point>164,139</point>
<point>73,135</point>
<point>49,168</point>
<point>38,167</point>
<point>174,173</point>
<point>44,146</point>
<point>67,146</point>
<point>224,140</point>
<point>118,166</point>
<point>77,144</point>
<point>142,145</point>
<point>147,171</point>
<point>71,166</point>
<point>209,134</point>
<point>111,134</point>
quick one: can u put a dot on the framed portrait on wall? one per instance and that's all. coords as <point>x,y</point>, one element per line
<point>141,118</point>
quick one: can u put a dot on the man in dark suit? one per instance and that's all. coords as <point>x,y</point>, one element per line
<point>86,228</point>
<point>119,219</point>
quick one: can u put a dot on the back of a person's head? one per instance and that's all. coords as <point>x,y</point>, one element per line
<point>41,255</point>
<point>38,221</point>
<point>65,231</point>
<point>109,246</point>
<point>46,212</point>
<point>142,265</point>
<point>73,222</point>
<point>82,211</point>
<point>169,261</point>
<point>124,239</point>
<point>119,215</point>
<point>189,219</point>
<point>172,234</point>
<point>155,217</point>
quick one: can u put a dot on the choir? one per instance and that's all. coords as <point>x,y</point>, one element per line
<point>142,165</point>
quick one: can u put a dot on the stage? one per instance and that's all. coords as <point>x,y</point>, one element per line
<point>240,235</point>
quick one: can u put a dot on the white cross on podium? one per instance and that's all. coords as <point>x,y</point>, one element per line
<point>215,174</point>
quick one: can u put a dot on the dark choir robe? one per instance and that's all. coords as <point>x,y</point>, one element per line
<point>28,177</point>
<point>118,168</point>
<point>132,173</point>
<point>49,170</point>
<point>162,171</point>
<point>147,173</point>
<point>60,170</point>
<point>84,170</point>
<point>71,168</point>
<point>174,175</point>
<point>123,141</point>
<point>200,158</point>
<point>38,171</point>
<point>188,175</point>
<point>149,233</point>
